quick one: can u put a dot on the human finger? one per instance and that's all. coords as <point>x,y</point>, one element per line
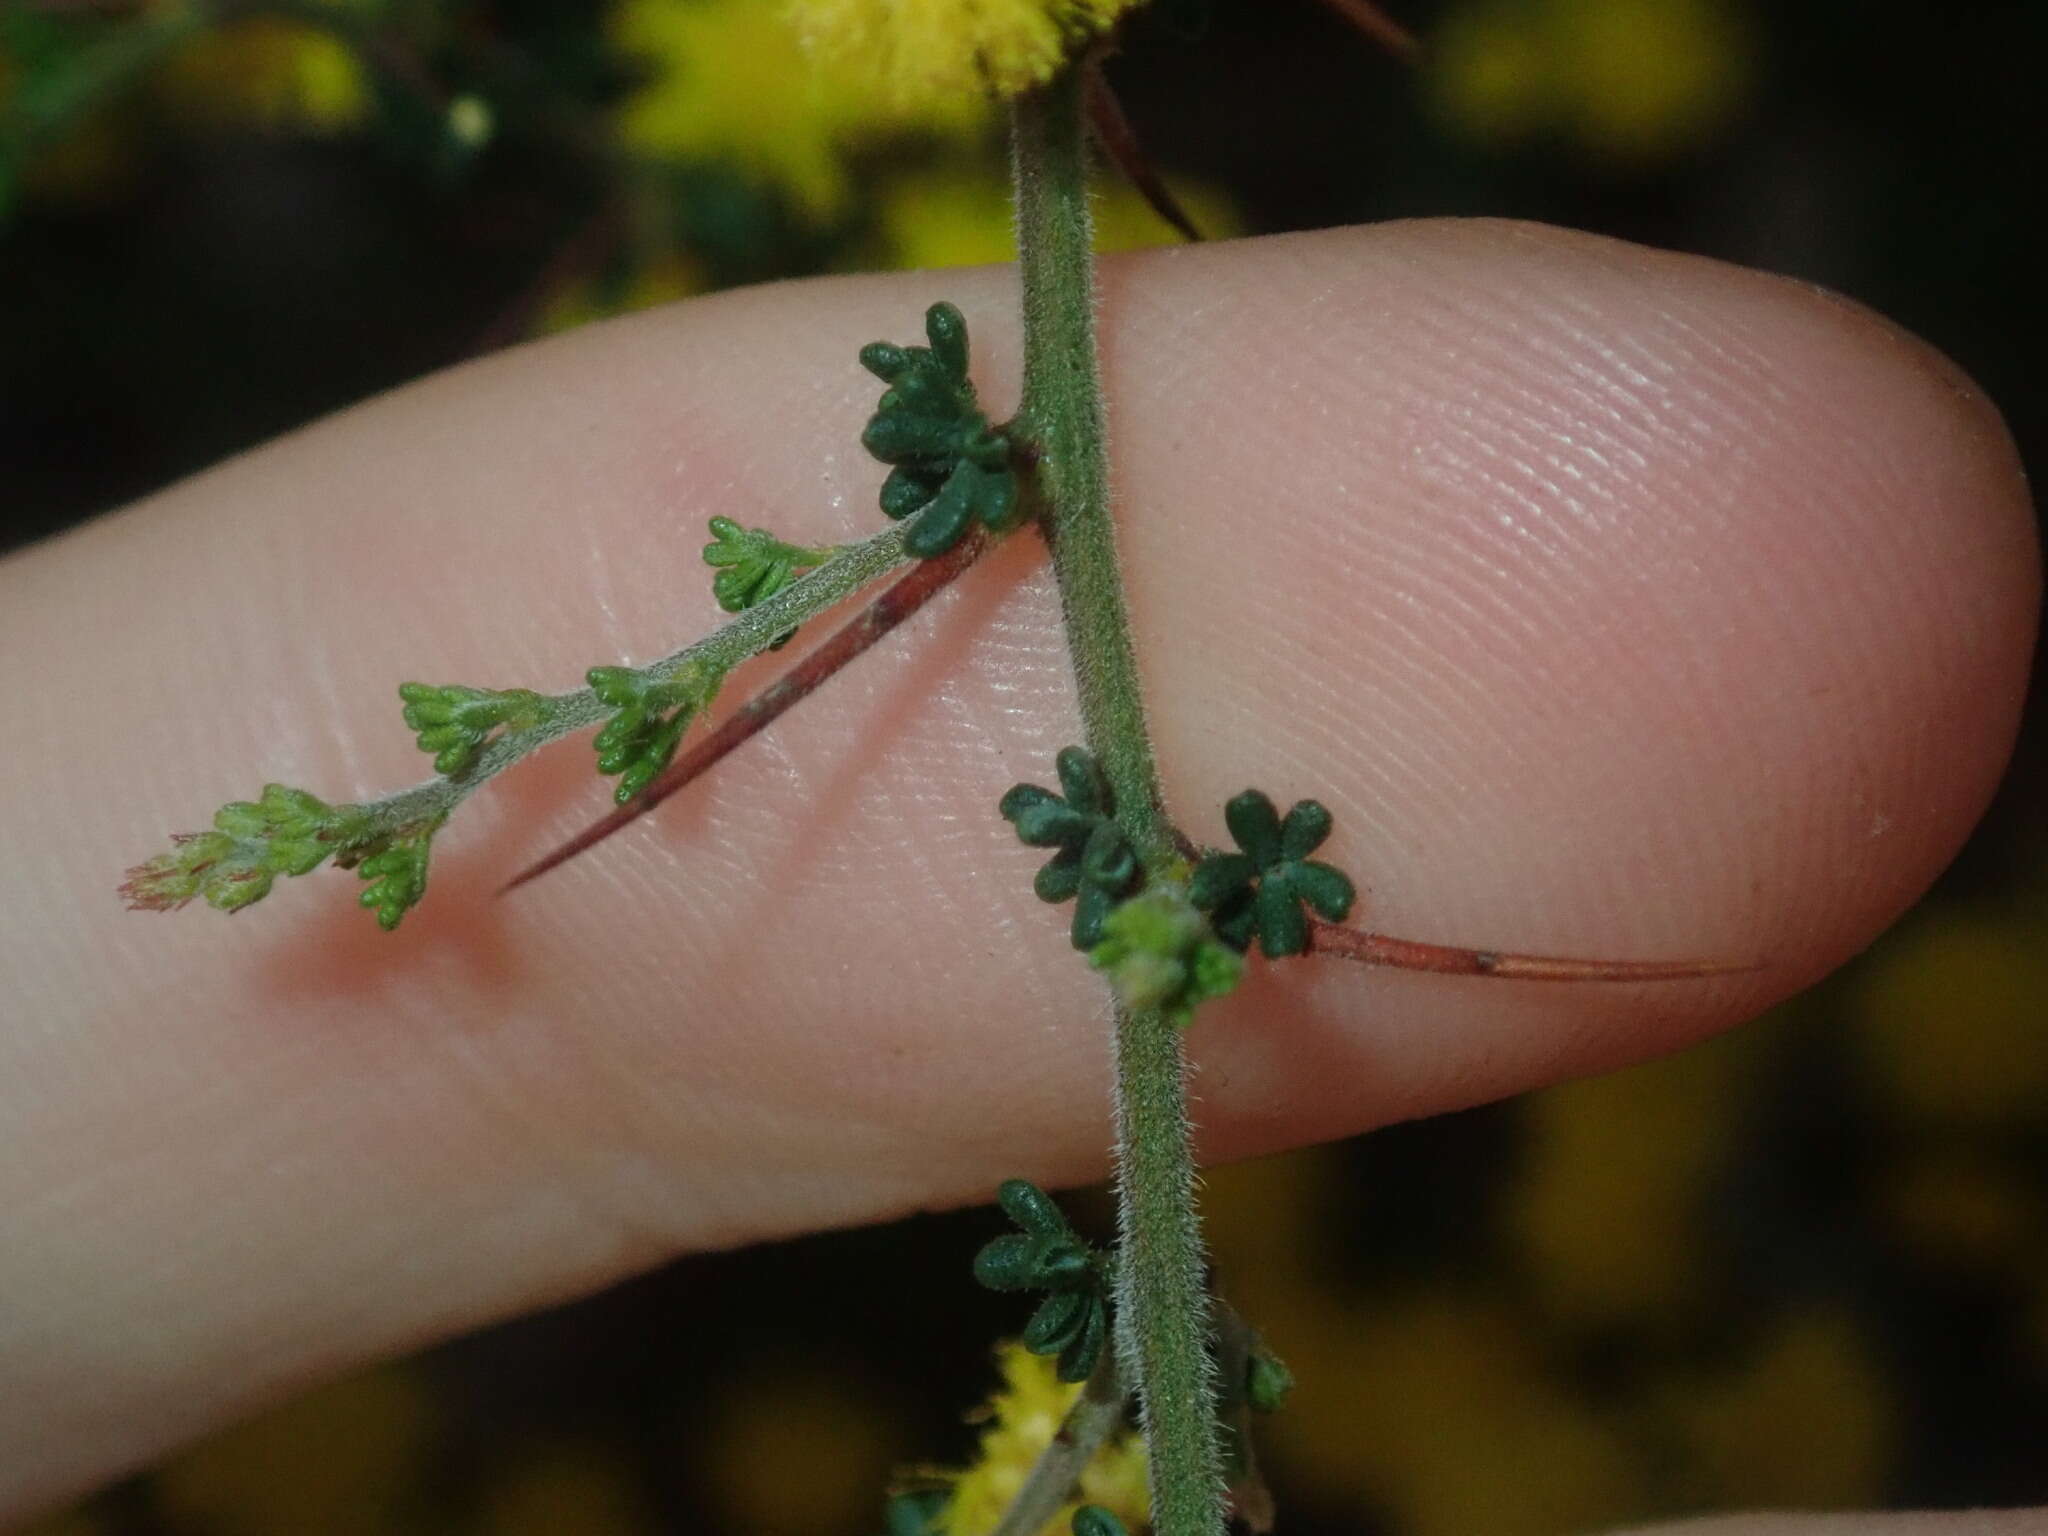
<point>1616,602</point>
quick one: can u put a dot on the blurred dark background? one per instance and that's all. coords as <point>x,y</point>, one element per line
<point>1806,1266</point>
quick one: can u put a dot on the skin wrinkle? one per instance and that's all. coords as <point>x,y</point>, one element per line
<point>1638,403</point>
<point>625,1002</point>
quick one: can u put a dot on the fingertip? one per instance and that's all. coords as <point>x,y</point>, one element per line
<point>1620,603</point>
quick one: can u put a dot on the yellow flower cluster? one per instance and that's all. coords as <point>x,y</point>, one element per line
<point>727,80</point>
<point>1022,1420</point>
<point>917,51</point>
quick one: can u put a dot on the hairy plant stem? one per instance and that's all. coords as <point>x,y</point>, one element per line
<point>849,569</point>
<point>1162,1302</point>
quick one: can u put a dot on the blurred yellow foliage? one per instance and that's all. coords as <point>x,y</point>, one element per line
<point>935,51</point>
<point>795,1449</point>
<point>1961,1213</point>
<point>728,80</point>
<point>578,1487</point>
<point>1441,1409</point>
<point>1262,1221</point>
<point>960,217</point>
<point>270,70</point>
<point>661,281</point>
<point>1022,1420</point>
<point>342,1460</point>
<point>1949,1014</point>
<point>1610,1198</point>
<point>1805,1423</point>
<point>1625,79</point>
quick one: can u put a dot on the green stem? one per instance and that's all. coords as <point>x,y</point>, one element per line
<point>846,571</point>
<point>1163,1303</point>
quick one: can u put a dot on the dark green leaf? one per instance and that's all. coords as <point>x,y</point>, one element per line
<point>945,518</point>
<point>1009,1262</point>
<point>1219,877</point>
<point>885,360</point>
<point>1283,931</point>
<point>1091,910</point>
<point>1031,1208</point>
<point>1108,860</point>
<point>907,489</point>
<point>946,329</point>
<point>1307,825</point>
<point>1057,1322</point>
<point>1082,781</point>
<point>1328,890</point>
<point>1079,1357</point>
<point>1255,826</point>
<point>1058,878</point>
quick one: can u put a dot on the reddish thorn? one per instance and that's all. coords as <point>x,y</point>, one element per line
<point>1119,140</point>
<point>1380,27</point>
<point>896,603</point>
<point>1449,960</point>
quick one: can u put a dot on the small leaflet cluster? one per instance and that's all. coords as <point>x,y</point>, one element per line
<point>455,722</point>
<point>1095,866</point>
<point>1046,1255</point>
<point>398,877</point>
<point>649,717</point>
<point>753,565</point>
<point>1173,944</point>
<point>1260,891</point>
<point>951,466</point>
<point>285,832</point>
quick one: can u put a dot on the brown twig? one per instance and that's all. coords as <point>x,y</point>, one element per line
<point>896,603</point>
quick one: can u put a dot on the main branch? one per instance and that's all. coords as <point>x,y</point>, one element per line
<point>1163,1304</point>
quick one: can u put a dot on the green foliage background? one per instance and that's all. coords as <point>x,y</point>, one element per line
<point>1804,1266</point>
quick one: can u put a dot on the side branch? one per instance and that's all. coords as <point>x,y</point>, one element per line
<point>1095,1416</point>
<point>896,603</point>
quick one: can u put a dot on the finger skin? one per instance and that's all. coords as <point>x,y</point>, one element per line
<point>1616,603</point>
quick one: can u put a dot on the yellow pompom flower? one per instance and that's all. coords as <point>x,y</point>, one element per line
<point>926,50</point>
<point>1022,1420</point>
<point>728,80</point>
